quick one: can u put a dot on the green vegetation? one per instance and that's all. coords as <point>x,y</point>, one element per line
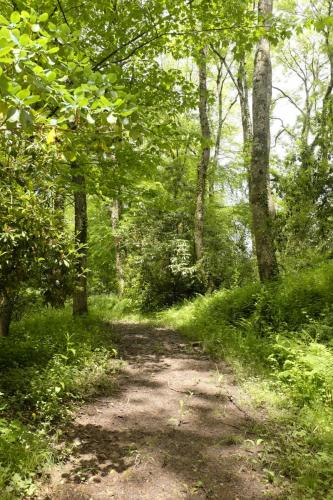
<point>134,177</point>
<point>49,363</point>
<point>278,338</point>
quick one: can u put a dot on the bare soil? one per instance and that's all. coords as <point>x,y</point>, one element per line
<point>176,427</point>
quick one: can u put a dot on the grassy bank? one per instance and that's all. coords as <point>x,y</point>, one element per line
<point>49,363</point>
<point>279,339</point>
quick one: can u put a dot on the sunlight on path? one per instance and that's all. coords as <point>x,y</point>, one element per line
<point>176,428</point>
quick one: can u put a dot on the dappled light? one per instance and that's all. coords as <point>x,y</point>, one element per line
<point>166,262</point>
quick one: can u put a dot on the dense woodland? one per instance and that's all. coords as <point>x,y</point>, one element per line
<point>169,160</point>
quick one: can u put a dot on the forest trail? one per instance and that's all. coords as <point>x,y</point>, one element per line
<point>175,428</point>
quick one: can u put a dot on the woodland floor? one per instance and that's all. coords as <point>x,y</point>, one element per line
<point>176,427</point>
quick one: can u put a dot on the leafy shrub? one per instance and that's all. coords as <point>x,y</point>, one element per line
<point>306,367</point>
<point>22,451</point>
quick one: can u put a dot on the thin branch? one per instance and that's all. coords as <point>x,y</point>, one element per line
<point>62,12</point>
<point>114,52</point>
<point>290,99</point>
<point>154,38</point>
<point>223,60</point>
<point>284,129</point>
<point>229,109</point>
<point>54,11</point>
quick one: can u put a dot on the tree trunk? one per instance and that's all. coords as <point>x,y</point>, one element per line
<point>219,90</point>
<point>6,310</point>
<point>115,212</point>
<point>259,169</point>
<point>205,155</point>
<point>243,91</point>
<point>80,298</point>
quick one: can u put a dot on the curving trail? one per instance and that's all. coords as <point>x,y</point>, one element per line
<point>175,428</point>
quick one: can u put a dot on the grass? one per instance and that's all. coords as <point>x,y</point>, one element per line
<point>49,363</point>
<point>279,340</point>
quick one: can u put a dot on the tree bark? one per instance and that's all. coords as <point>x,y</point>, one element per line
<point>259,168</point>
<point>205,155</point>
<point>247,127</point>
<point>80,296</point>
<point>6,310</point>
<point>219,90</point>
<point>243,91</point>
<point>115,212</point>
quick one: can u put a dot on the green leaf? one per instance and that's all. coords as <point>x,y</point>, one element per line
<point>38,70</point>
<point>13,115</point>
<point>35,28</point>
<point>4,42</point>
<point>32,99</point>
<point>6,60</point>
<point>24,40</point>
<point>112,77</point>
<point>105,101</point>
<point>3,108</point>
<point>118,102</point>
<point>70,155</point>
<point>51,76</point>
<point>13,36</point>
<point>51,26</point>
<point>51,136</point>
<point>5,50</point>
<point>43,17</point>
<point>128,112</point>
<point>26,119</point>
<point>64,29</point>
<point>15,17</point>
<point>23,94</point>
<point>83,101</point>
<point>43,41</point>
<point>3,20</point>
<point>5,33</point>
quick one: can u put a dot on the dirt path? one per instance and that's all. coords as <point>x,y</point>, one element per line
<point>175,428</point>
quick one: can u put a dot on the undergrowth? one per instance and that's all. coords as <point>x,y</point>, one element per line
<point>279,339</point>
<point>49,362</point>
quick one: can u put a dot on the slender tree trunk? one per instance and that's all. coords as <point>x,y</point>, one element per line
<point>6,310</point>
<point>259,169</point>
<point>243,92</point>
<point>219,90</point>
<point>115,212</point>
<point>205,155</point>
<point>80,298</point>
<point>245,114</point>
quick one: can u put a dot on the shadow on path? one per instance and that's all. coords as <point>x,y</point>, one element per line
<point>175,428</point>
